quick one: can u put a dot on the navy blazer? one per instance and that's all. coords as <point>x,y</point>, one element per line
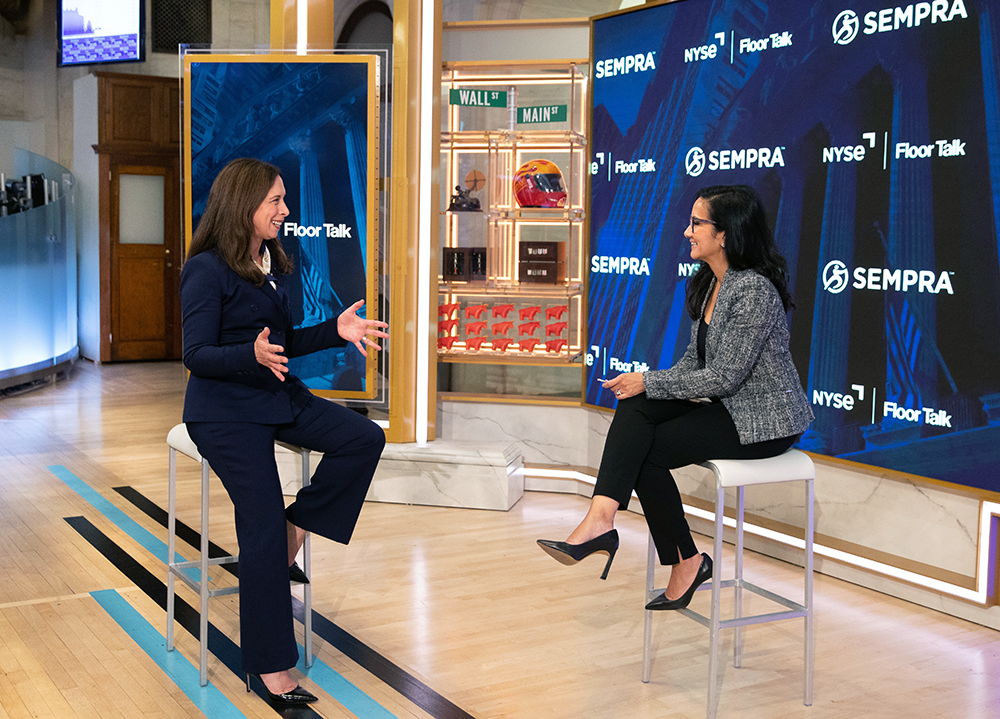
<point>222,314</point>
<point>747,362</point>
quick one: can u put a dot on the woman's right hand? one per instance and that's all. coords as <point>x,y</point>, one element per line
<point>269,355</point>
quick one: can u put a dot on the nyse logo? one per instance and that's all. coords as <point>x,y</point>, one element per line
<point>836,276</point>
<point>846,25</point>
<point>687,269</point>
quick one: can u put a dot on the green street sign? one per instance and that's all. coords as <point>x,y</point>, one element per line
<point>478,98</point>
<point>541,113</point>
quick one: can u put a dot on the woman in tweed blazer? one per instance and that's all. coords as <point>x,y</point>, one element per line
<point>735,394</point>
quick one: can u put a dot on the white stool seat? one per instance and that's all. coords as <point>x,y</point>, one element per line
<point>791,466</point>
<point>178,440</point>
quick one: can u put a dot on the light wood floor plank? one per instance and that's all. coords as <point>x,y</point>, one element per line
<point>461,599</point>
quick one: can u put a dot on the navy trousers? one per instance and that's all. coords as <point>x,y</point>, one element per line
<point>242,455</point>
<point>648,438</point>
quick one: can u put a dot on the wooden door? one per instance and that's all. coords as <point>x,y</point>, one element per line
<point>145,260</point>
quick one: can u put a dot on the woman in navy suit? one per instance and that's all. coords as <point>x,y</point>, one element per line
<point>238,336</point>
<point>734,394</point>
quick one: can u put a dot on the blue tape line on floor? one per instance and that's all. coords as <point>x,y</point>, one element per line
<point>117,517</point>
<point>208,699</point>
<point>334,684</point>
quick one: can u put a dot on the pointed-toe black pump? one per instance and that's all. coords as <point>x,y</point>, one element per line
<point>566,553</point>
<point>704,574</point>
<point>298,695</point>
<point>296,574</point>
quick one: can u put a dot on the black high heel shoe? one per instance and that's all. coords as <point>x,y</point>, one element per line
<point>296,574</point>
<point>566,553</point>
<point>298,695</point>
<point>704,573</point>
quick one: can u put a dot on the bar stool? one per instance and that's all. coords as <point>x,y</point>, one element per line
<point>178,440</point>
<point>791,466</point>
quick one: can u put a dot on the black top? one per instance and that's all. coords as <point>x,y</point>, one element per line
<point>702,331</point>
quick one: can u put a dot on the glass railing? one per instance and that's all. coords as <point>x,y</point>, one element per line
<point>38,277</point>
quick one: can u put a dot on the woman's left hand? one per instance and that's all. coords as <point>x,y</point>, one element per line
<point>356,329</point>
<point>626,385</point>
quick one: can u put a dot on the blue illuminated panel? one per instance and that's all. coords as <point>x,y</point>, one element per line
<point>873,135</point>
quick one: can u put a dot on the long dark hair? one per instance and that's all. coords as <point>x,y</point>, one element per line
<point>226,226</point>
<point>738,211</point>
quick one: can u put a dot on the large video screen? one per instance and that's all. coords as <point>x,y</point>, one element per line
<point>101,31</point>
<point>872,131</point>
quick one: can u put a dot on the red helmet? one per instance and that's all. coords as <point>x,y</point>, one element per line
<point>539,183</point>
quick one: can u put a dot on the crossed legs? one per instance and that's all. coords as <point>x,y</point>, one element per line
<point>647,439</point>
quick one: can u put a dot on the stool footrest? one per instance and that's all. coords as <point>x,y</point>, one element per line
<point>776,598</point>
<point>742,621</point>
<point>213,562</point>
<point>177,571</point>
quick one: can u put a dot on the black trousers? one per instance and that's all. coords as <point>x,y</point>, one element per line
<point>648,438</point>
<point>242,454</point>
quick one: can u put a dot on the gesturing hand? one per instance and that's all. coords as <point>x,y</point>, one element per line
<point>269,355</point>
<point>626,385</point>
<point>356,329</point>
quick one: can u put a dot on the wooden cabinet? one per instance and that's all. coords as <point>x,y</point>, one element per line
<point>138,113</point>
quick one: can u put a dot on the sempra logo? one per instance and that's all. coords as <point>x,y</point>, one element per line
<point>624,65</point>
<point>604,265</point>
<point>695,160</point>
<point>835,278</point>
<point>845,25</point>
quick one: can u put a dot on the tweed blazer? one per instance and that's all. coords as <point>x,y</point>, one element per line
<point>222,314</point>
<point>748,365</point>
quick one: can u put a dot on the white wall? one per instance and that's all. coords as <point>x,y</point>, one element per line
<point>85,170</point>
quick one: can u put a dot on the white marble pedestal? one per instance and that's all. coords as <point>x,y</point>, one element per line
<point>450,473</point>
<point>443,473</point>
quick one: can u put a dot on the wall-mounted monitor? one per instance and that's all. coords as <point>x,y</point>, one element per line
<point>101,31</point>
<point>872,132</point>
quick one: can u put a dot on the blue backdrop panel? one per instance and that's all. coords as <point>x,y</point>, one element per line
<point>872,131</point>
<point>309,119</point>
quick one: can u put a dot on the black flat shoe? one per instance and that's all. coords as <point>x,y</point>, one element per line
<point>704,573</point>
<point>296,574</point>
<point>566,553</point>
<point>298,695</point>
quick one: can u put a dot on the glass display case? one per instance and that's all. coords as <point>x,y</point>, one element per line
<point>513,147</point>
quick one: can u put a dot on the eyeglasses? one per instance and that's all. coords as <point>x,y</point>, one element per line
<point>697,222</point>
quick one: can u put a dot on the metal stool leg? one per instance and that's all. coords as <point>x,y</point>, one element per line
<point>647,631</point>
<point>790,467</point>
<point>713,650</point>
<point>808,600</point>
<point>738,606</point>
<point>171,540</point>
<point>203,586</point>
<point>307,564</point>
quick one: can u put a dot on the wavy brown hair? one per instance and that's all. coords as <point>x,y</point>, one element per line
<point>226,226</point>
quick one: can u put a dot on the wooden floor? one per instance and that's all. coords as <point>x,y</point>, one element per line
<point>461,600</point>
